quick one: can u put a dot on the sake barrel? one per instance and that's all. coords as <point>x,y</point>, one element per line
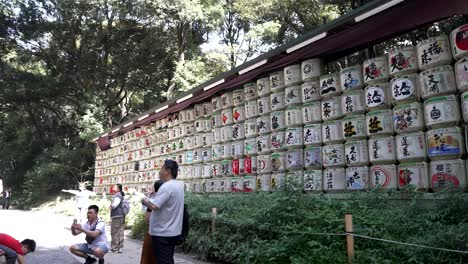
<point>461,74</point>
<point>311,69</point>
<point>375,70</point>
<point>263,163</point>
<point>312,112</point>
<point>459,41</point>
<point>382,150</point>
<point>251,109</point>
<point>237,149</point>
<point>189,127</point>
<point>238,131</point>
<point>216,120</point>
<point>216,151</point>
<point>250,128</point>
<point>277,81</point>
<point>411,146</point>
<point>415,174</point>
<point>437,81</point>
<point>333,155</point>
<point>312,134</point>
<point>207,167</point>
<point>188,157</point>
<point>278,161</point>
<point>313,180</point>
<point>197,171</point>
<point>207,155</point>
<point>263,182</point>
<point>216,103</point>
<point>207,109</point>
<point>277,100</point>
<point>310,91</point>
<point>357,178</point>
<point>434,52</point>
<point>263,144</point>
<point>352,102</point>
<point>292,95</point>
<point>238,167</point>
<point>351,78</point>
<point>464,99</point>
<point>442,111</point>
<point>263,104</point>
<point>294,159</point>
<point>197,155</point>
<point>331,108</point>
<point>226,151</point>
<point>277,140</point>
<point>292,74</point>
<point>237,184</point>
<point>188,141</point>
<point>226,133</point>
<point>313,157</point>
<point>402,61</point>
<point>206,139</point>
<point>277,120</point>
<point>226,117</point>
<point>294,137</point>
<point>238,113</point>
<point>238,97</point>
<point>263,86</point>
<point>293,115</point>
<point>226,100</point>
<point>356,153</point>
<point>263,125</point>
<point>330,85</point>
<point>216,169</point>
<point>226,168</point>
<point>277,181</point>
<point>183,116</point>
<point>447,174</point>
<point>334,179</point>
<point>250,146</point>
<point>383,176</point>
<point>353,127</point>
<point>408,117</point>
<point>377,96</point>
<point>216,135</point>
<point>331,132</point>
<point>250,91</point>
<point>379,122</point>
<point>250,165</point>
<point>445,143</point>
<point>405,89</point>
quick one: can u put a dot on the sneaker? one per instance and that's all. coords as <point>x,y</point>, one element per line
<point>90,260</point>
<point>101,261</point>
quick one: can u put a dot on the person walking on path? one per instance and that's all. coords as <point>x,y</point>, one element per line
<point>82,200</point>
<point>117,219</point>
<point>147,254</point>
<point>6,198</point>
<point>96,240</point>
<point>167,210</point>
<point>12,250</point>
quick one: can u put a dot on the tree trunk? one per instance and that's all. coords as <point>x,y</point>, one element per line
<point>183,30</point>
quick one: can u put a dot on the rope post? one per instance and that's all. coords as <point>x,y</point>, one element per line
<point>213,220</point>
<point>349,238</point>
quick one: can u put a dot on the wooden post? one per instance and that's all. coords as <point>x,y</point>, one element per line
<point>349,238</point>
<point>213,220</point>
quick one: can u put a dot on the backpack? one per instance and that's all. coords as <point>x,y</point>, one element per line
<point>185,226</point>
<point>125,206</point>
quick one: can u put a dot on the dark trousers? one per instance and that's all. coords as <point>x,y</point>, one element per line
<point>10,255</point>
<point>163,248</point>
<point>6,203</point>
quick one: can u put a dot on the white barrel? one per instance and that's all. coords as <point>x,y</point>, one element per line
<point>226,151</point>
<point>437,81</point>
<point>250,91</point>
<point>277,81</point>
<point>405,89</point>
<point>333,155</point>
<point>353,127</point>
<point>263,104</point>
<point>278,161</point>
<point>377,96</point>
<point>198,111</point>
<point>250,146</point>
<point>206,139</point>
<point>226,117</point>
<point>216,151</point>
<point>207,124</point>
<point>312,134</point>
<point>226,133</point>
<point>277,140</point>
<point>250,128</point>
<point>382,150</point>
<point>459,41</point>
<point>249,183</point>
<point>379,122</point>
<point>251,109</point>
<point>263,144</point>
<point>226,168</point>
<point>313,180</point>
<point>216,169</point>
<point>238,131</point>
<point>277,120</point>
<point>188,157</point>
<point>263,86</point>
<point>189,127</point>
<point>237,184</point>
<point>226,100</point>
<point>310,91</point>
<point>330,84</point>
<point>292,74</point>
<point>411,147</point>
<point>442,111</point>
<point>216,135</point>
<point>263,125</point>
<point>334,179</point>
<point>408,117</point>
<point>461,74</point>
<point>312,112</point>
<point>263,182</point>
<point>311,69</point>
<point>183,116</point>
<point>216,120</point>
<point>197,155</point>
<point>464,101</point>
<point>357,178</point>
<point>207,155</point>
<point>415,174</point>
<point>331,132</point>
<point>277,181</point>
<point>188,142</point>
<point>238,113</point>
<point>447,174</point>
<point>445,143</point>
<point>216,103</point>
<point>250,165</point>
<point>402,61</point>
<point>207,109</point>
<point>294,137</point>
<point>190,115</point>
<point>331,108</point>
<point>313,157</point>
<point>351,78</point>
<point>263,163</point>
<point>238,166</point>
<point>292,95</point>
<point>206,173</point>
<point>294,159</point>
<point>356,153</point>
<point>293,115</point>
<point>375,70</point>
<point>383,176</point>
<point>434,52</point>
<point>352,102</point>
<point>238,97</point>
<point>197,171</point>
<point>277,101</point>
<point>237,149</point>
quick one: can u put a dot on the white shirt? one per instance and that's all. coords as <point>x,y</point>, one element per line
<point>82,199</point>
<point>102,238</point>
<point>167,221</point>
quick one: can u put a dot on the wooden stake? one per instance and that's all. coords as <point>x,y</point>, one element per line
<point>349,238</point>
<point>213,220</point>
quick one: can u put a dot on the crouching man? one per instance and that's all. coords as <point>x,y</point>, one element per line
<point>96,240</point>
<point>11,250</point>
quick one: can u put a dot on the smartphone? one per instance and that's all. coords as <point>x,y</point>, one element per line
<point>75,221</point>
